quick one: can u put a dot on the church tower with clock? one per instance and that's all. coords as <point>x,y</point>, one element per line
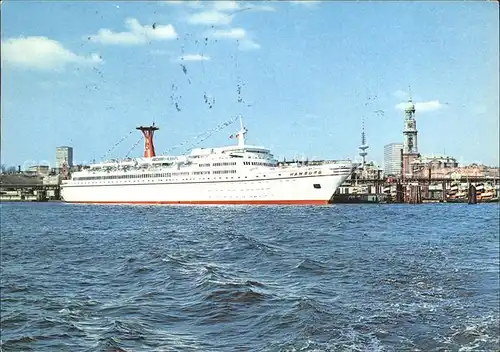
<point>410,146</point>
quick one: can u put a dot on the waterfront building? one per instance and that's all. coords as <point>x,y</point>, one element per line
<point>474,171</point>
<point>392,159</point>
<point>39,169</point>
<point>64,155</point>
<point>435,166</point>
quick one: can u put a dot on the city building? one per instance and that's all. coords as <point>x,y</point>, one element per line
<point>476,170</point>
<point>52,180</point>
<point>447,167</point>
<point>39,169</point>
<point>371,171</point>
<point>64,155</point>
<point>392,159</point>
<point>410,143</point>
<point>438,166</point>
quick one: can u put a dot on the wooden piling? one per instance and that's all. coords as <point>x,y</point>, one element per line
<point>399,193</point>
<point>415,194</point>
<point>472,195</point>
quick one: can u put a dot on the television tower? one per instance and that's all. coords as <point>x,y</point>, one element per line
<point>363,147</point>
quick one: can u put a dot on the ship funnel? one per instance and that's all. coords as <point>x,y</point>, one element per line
<point>148,131</point>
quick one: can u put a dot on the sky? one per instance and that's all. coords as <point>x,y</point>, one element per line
<point>303,74</point>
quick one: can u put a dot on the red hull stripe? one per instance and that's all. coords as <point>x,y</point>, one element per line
<point>201,202</point>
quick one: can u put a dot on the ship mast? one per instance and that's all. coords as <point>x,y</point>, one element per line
<point>241,134</point>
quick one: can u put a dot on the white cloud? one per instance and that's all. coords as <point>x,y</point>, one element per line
<point>172,2</point>
<point>42,53</point>
<point>195,4</point>
<point>423,106</point>
<point>233,33</point>
<point>226,5</point>
<point>210,18</point>
<point>239,34</point>
<point>194,57</point>
<point>265,8</point>
<point>236,6</point>
<point>306,3</point>
<point>248,44</point>
<point>137,34</point>
<point>222,12</point>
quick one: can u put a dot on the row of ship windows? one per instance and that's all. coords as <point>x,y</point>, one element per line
<point>169,180</point>
<point>192,179</point>
<point>257,163</point>
<point>121,177</point>
<point>175,174</point>
<point>234,164</point>
<point>224,172</point>
<point>167,174</point>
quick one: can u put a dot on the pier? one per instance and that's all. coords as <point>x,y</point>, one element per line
<point>413,190</point>
<point>28,189</point>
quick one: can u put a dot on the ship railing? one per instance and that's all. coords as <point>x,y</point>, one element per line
<point>345,161</point>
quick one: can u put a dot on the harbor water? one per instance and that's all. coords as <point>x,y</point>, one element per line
<point>249,278</point>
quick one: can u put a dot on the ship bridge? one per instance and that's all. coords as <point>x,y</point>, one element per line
<point>229,149</point>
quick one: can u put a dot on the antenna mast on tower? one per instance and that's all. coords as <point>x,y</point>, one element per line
<point>363,147</point>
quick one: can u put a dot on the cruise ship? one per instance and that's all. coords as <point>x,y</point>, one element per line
<point>235,174</point>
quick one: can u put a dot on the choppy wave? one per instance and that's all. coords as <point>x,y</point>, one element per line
<point>340,278</point>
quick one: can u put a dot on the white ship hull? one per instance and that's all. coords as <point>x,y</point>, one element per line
<point>278,190</point>
<point>240,174</point>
